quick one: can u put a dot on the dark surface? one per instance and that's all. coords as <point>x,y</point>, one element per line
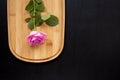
<point>91,51</point>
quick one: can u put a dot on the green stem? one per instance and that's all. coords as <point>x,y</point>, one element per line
<point>34,14</point>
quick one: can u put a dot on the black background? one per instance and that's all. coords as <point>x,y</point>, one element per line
<point>91,51</point>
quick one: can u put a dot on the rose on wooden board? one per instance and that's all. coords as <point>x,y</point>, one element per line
<point>35,8</point>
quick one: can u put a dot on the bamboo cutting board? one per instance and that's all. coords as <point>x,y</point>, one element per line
<point>18,32</point>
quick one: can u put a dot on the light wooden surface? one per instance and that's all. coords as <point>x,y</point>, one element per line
<point>18,32</point>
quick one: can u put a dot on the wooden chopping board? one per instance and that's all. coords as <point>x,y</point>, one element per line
<point>18,32</point>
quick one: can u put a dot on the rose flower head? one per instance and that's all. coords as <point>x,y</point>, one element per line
<point>36,38</point>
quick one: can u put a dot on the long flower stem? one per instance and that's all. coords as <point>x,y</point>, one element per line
<point>34,14</point>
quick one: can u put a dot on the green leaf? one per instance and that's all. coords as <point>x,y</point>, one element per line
<point>52,21</point>
<point>40,7</point>
<point>39,22</point>
<point>29,6</point>
<point>31,13</point>
<point>38,1</point>
<point>46,16</point>
<point>31,24</point>
<point>27,20</point>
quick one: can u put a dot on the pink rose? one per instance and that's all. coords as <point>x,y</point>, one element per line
<point>36,38</point>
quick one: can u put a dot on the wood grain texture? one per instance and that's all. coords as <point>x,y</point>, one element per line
<point>18,31</point>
